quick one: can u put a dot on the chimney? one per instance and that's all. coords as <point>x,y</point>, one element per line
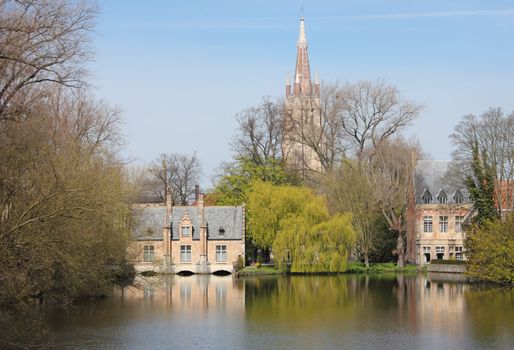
<point>197,193</point>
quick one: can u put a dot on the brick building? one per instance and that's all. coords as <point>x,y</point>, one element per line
<point>195,238</point>
<point>442,205</point>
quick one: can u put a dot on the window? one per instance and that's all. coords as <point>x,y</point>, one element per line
<point>443,223</point>
<point>221,253</point>
<point>458,223</point>
<point>148,253</point>
<point>427,224</point>
<point>458,254</point>
<point>439,252</point>
<point>458,198</point>
<point>426,254</point>
<point>185,253</point>
<point>186,231</point>
<point>221,231</point>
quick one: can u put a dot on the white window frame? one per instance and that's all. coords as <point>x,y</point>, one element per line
<point>443,223</point>
<point>459,219</point>
<point>428,224</point>
<point>185,253</point>
<point>221,253</point>
<point>186,230</point>
<point>148,253</point>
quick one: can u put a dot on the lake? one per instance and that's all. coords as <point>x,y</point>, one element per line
<point>293,312</point>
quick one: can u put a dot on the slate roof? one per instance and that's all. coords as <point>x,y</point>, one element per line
<point>148,222</point>
<point>229,218</point>
<point>436,177</point>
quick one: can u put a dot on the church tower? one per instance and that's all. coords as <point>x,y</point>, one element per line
<point>302,119</point>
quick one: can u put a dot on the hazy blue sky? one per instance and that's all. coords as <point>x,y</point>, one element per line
<point>181,70</point>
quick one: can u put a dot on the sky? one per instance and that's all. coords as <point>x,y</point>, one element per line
<point>181,70</point>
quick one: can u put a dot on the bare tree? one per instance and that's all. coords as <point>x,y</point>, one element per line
<point>391,169</point>
<point>493,133</point>
<point>373,112</point>
<point>41,42</point>
<point>259,136</point>
<point>318,128</point>
<point>178,172</point>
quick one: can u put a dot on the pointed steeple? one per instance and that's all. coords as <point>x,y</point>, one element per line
<point>302,71</point>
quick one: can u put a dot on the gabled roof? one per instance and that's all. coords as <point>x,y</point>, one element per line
<point>441,194</point>
<point>231,219</point>
<point>434,176</point>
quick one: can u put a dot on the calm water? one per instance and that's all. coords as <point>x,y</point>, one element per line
<point>315,312</point>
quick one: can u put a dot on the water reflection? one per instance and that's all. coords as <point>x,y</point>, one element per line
<point>347,311</point>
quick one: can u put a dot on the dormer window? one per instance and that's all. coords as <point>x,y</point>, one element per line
<point>221,231</point>
<point>186,231</point>
<point>186,226</point>
<point>426,197</point>
<point>442,197</point>
<point>458,197</point>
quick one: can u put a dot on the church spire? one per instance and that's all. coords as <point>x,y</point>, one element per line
<point>303,85</point>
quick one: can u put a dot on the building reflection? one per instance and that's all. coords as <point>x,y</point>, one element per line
<point>194,293</point>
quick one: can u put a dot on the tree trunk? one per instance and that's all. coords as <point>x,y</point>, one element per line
<point>366,259</point>
<point>400,250</point>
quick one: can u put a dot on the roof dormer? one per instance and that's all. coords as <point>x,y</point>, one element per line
<point>426,196</point>
<point>458,198</point>
<point>442,197</point>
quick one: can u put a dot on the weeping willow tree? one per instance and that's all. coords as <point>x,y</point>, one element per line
<point>296,223</point>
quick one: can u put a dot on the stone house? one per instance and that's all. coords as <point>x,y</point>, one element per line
<point>442,205</point>
<point>195,238</point>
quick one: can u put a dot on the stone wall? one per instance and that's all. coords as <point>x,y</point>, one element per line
<point>446,268</point>
<point>136,253</point>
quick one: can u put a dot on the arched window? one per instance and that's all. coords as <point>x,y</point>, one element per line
<point>186,226</point>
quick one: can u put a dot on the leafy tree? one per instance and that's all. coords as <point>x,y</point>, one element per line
<point>234,182</point>
<point>490,250</point>
<point>481,186</point>
<point>297,224</point>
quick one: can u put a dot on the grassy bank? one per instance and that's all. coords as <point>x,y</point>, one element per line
<point>357,267</point>
<point>352,267</point>
<point>261,271</point>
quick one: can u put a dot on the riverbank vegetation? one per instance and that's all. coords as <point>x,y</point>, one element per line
<point>365,179</point>
<point>483,156</point>
<point>296,223</point>
<point>64,198</point>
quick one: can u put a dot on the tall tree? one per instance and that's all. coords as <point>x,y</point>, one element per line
<point>260,132</point>
<point>485,144</point>
<point>349,189</point>
<point>178,172</point>
<point>63,205</point>
<point>297,224</point>
<point>42,42</point>
<point>371,113</point>
<point>391,169</point>
<point>318,127</point>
